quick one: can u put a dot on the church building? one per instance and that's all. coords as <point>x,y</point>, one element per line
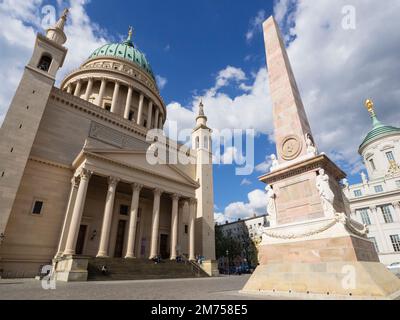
<point>75,183</point>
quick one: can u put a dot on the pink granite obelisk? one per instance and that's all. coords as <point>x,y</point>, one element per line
<point>312,246</point>
<point>290,119</point>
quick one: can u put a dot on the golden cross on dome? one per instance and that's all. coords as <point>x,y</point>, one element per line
<point>130,33</point>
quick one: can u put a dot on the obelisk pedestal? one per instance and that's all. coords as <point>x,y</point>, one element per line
<point>313,248</point>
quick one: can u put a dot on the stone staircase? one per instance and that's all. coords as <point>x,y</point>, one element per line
<point>141,269</point>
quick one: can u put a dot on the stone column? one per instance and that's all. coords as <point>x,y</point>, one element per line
<point>174,225</point>
<point>140,112</point>
<point>115,98</point>
<point>107,219</point>
<point>88,89</point>
<point>68,216</point>
<point>77,213</point>
<point>150,115</point>
<point>155,223</point>
<point>130,254</point>
<point>78,88</point>
<point>156,118</point>
<point>160,122</point>
<point>69,88</point>
<point>192,221</point>
<point>128,103</point>
<point>103,86</point>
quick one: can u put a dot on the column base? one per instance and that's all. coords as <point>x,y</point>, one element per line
<point>71,268</point>
<point>130,257</point>
<point>102,255</point>
<point>68,253</point>
<point>210,267</point>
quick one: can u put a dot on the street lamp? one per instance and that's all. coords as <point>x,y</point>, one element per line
<point>227,255</point>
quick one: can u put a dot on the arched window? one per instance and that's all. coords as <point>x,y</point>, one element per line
<point>45,62</point>
<point>197,142</point>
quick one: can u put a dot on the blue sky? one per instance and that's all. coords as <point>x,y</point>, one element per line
<point>213,49</point>
<point>187,42</point>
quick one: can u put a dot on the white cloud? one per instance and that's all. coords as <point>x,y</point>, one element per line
<point>337,69</point>
<point>228,74</point>
<point>231,155</point>
<point>20,21</point>
<point>219,218</point>
<point>161,81</point>
<point>257,202</point>
<point>265,166</point>
<point>246,182</point>
<point>249,110</point>
<point>256,25</point>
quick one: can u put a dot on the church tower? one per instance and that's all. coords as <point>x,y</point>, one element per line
<point>22,121</point>
<point>205,228</point>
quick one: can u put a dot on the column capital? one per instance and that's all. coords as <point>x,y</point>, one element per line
<point>193,201</point>
<point>175,197</point>
<point>137,186</point>
<point>396,204</point>
<point>158,192</point>
<point>113,181</point>
<point>86,174</point>
<point>75,182</point>
<point>373,208</point>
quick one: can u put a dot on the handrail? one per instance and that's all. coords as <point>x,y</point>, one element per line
<point>193,265</point>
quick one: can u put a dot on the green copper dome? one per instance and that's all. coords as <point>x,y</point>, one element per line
<point>125,50</point>
<point>379,131</point>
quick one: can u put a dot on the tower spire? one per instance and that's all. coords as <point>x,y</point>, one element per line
<point>56,33</point>
<point>201,119</point>
<point>201,109</point>
<point>369,105</point>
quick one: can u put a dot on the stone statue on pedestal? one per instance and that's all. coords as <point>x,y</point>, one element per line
<point>275,162</point>
<point>271,205</point>
<point>326,193</point>
<point>311,149</point>
<point>364,178</point>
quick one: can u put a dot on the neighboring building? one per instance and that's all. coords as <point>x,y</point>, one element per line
<point>246,231</point>
<point>376,201</point>
<point>74,176</point>
<point>243,229</point>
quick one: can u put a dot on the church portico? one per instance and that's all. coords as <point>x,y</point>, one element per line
<point>122,215</point>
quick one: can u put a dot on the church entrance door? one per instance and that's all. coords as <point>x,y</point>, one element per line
<point>164,246</point>
<point>119,244</point>
<point>80,243</point>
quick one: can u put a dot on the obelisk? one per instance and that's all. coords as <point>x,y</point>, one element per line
<point>313,247</point>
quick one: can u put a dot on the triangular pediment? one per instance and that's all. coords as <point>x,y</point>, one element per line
<point>137,160</point>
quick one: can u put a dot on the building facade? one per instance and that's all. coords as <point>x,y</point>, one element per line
<point>247,232</point>
<point>75,175</point>
<point>375,201</point>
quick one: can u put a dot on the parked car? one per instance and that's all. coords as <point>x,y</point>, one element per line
<point>395,268</point>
